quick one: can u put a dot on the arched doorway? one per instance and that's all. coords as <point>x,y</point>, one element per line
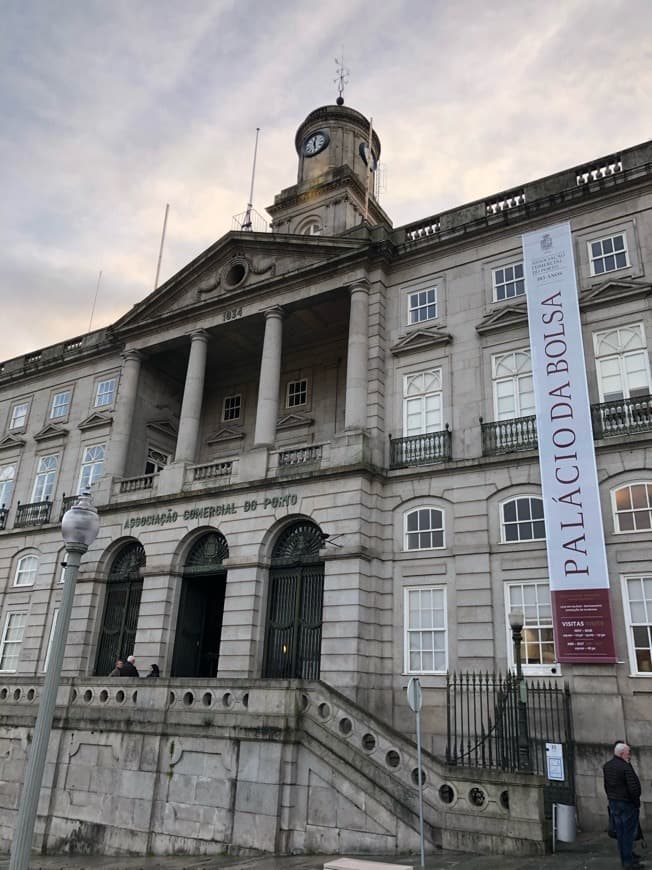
<point>201,609</point>
<point>294,613</point>
<point>123,590</point>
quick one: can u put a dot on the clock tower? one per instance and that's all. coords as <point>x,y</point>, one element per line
<point>335,179</point>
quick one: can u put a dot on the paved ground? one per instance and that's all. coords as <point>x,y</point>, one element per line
<point>589,852</point>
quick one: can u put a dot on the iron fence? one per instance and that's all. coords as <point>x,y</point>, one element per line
<point>420,449</point>
<point>622,417</point>
<point>509,436</point>
<point>33,514</point>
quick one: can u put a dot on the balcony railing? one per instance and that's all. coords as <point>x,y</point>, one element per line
<point>33,514</point>
<point>300,455</point>
<point>4,513</point>
<point>420,449</point>
<point>134,484</point>
<point>622,417</point>
<point>66,503</point>
<point>509,436</point>
<point>211,470</point>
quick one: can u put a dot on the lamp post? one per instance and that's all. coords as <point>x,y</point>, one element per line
<point>516,620</point>
<point>79,528</point>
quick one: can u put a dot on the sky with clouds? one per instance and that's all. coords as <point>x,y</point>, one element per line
<point>113,108</point>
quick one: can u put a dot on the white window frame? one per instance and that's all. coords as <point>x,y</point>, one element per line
<point>311,227</point>
<point>423,403</point>
<point>91,468</point>
<point>55,615</point>
<point>548,669</point>
<point>7,478</point>
<point>630,624</point>
<point>618,513</point>
<point>156,460</point>
<point>511,279</point>
<point>622,356</point>
<point>18,417</point>
<point>16,642</point>
<point>516,379</point>
<point>229,405</point>
<point>63,407</point>
<point>603,256</point>
<point>409,630</point>
<point>298,385</point>
<point>430,530</point>
<point>30,573</point>
<point>423,301</point>
<point>102,392</point>
<point>49,477</point>
<point>518,522</point>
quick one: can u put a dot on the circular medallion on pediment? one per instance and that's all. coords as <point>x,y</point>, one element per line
<point>235,273</point>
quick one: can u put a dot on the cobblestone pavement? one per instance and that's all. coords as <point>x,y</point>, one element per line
<point>589,852</point>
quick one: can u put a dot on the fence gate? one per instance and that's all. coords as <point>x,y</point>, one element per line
<point>491,718</point>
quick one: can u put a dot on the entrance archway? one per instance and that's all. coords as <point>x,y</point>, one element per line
<point>201,609</point>
<point>294,613</point>
<point>123,590</point>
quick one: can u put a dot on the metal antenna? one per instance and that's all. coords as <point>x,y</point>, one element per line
<point>97,290</point>
<point>342,78</point>
<point>246,223</point>
<point>160,250</point>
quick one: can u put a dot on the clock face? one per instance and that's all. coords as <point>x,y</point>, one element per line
<point>365,153</point>
<point>315,143</point>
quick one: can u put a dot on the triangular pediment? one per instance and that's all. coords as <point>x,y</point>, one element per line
<point>52,430</point>
<point>420,339</point>
<point>224,435</point>
<point>614,290</point>
<point>162,427</point>
<point>502,318</point>
<point>97,418</point>
<point>11,442</point>
<point>291,421</point>
<point>237,266</point>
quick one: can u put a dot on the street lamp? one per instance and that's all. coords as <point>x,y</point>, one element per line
<point>516,620</point>
<point>79,528</point>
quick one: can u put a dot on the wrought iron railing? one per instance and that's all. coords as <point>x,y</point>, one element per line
<point>66,503</point>
<point>622,417</point>
<point>33,514</point>
<point>4,513</point>
<point>420,449</point>
<point>300,455</point>
<point>133,484</point>
<point>509,436</point>
<point>211,470</point>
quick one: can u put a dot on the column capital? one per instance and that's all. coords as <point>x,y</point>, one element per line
<point>361,286</point>
<point>131,354</point>
<point>199,335</point>
<point>275,311</point>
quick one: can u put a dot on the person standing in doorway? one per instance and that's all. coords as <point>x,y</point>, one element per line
<point>623,789</point>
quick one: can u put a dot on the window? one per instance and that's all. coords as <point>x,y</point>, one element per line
<point>508,282</point>
<point>608,254</point>
<point>18,418</point>
<point>92,466</point>
<point>637,592</point>
<point>26,571</point>
<point>422,402</point>
<point>231,408</point>
<point>105,393</point>
<point>12,637</point>
<point>538,646</point>
<point>60,405</point>
<point>422,305</point>
<point>7,474</point>
<point>522,520</point>
<point>425,630</point>
<point>312,228</point>
<point>633,508</point>
<point>55,614</point>
<point>513,388</point>
<point>156,460</point>
<point>424,529</point>
<point>297,393</point>
<point>46,476</point>
<point>622,363</point>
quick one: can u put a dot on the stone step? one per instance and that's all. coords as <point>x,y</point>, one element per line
<point>357,864</point>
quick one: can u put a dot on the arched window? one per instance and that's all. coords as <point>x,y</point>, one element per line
<point>521,519</point>
<point>26,569</point>
<point>632,506</point>
<point>424,529</point>
<point>294,613</point>
<point>121,608</point>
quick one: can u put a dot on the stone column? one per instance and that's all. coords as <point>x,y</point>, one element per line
<point>124,413</point>
<point>193,394</point>
<point>357,360</point>
<point>270,379</point>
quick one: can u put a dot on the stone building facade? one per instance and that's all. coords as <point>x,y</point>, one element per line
<point>313,451</point>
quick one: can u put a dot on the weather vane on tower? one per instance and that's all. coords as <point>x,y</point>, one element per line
<point>342,78</point>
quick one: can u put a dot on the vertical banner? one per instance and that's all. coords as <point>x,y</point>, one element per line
<point>577,560</point>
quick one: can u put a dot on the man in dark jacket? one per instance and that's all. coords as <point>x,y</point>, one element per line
<point>129,668</point>
<point>623,789</point>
